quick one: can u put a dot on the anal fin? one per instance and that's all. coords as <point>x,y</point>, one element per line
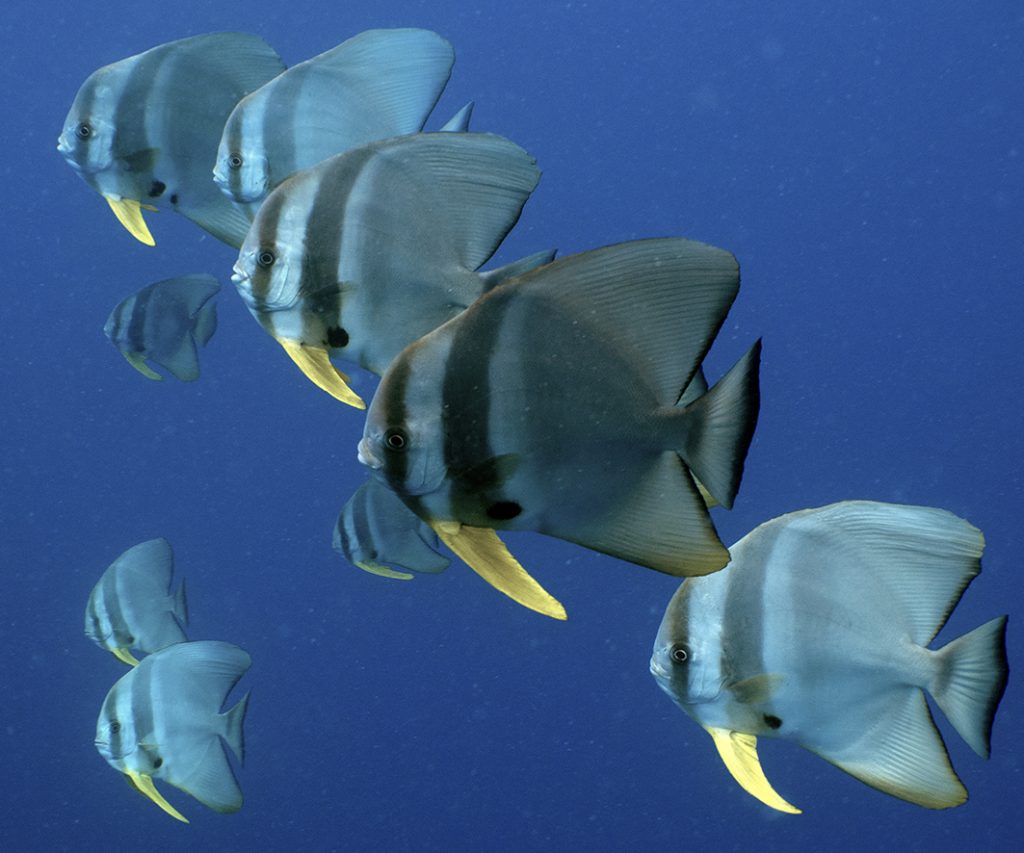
<point>738,751</point>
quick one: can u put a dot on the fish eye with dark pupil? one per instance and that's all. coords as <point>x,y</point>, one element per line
<point>115,727</point>
<point>235,161</point>
<point>679,654</point>
<point>395,439</point>
<point>83,131</point>
<point>265,259</point>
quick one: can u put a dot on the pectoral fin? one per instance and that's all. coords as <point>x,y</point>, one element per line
<point>144,785</point>
<point>482,550</point>
<point>383,571</point>
<point>125,656</point>
<point>129,213</point>
<point>138,361</point>
<point>739,752</point>
<point>315,363</point>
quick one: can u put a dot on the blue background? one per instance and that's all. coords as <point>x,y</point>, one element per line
<point>864,162</point>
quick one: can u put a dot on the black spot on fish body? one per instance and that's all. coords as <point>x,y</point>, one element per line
<point>156,189</point>
<point>503,510</point>
<point>772,721</point>
<point>158,762</point>
<point>337,337</point>
<point>174,198</point>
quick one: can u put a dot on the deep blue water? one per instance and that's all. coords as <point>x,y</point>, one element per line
<point>864,161</point>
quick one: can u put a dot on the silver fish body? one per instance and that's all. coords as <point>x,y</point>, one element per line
<point>163,720</point>
<point>131,606</point>
<point>378,84</point>
<point>373,248</point>
<point>817,632</point>
<point>164,323</point>
<point>143,131</point>
<point>551,405</point>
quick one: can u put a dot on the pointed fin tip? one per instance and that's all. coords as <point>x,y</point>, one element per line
<point>383,571</point>
<point>315,363</point>
<point>125,656</point>
<point>129,213</point>
<point>738,752</point>
<point>138,361</point>
<point>144,785</point>
<point>482,550</point>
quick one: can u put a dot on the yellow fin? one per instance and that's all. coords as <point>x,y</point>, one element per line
<point>138,361</point>
<point>125,656</point>
<point>739,752</point>
<point>144,785</point>
<point>486,554</point>
<point>315,363</point>
<point>129,213</point>
<point>383,571</point>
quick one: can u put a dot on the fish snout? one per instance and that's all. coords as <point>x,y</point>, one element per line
<point>367,457</point>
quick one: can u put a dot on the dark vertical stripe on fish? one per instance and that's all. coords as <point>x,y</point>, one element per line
<point>267,224</point>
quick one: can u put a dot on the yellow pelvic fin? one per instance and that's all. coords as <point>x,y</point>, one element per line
<point>482,550</point>
<point>129,213</point>
<point>315,363</point>
<point>144,785</point>
<point>739,752</point>
<point>138,361</point>
<point>125,656</point>
<point>383,571</point>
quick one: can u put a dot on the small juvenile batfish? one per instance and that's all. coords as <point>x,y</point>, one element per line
<point>375,529</point>
<point>163,323</point>
<point>551,405</point>
<point>371,249</point>
<point>379,84</point>
<point>131,606</point>
<point>817,633</point>
<point>163,721</point>
<point>143,131</point>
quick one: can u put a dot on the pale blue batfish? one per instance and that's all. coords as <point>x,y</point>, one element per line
<point>164,323</point>
<point>163,720</point>
<point>378,84</point>
<point>143,131</point>
<point>817,632</point>
<point>377,532</point>
<point>371,249</point>
<point>132,607</point>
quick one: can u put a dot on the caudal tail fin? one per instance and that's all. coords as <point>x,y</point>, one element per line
<point>721,426</point>
<point>971,680</point>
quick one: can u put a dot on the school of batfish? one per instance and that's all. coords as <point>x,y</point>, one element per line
<point>565,397</point>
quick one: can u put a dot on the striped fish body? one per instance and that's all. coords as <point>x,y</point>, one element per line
<point>163,721</point>
<point>550,405</point>
<point>817,633</point>
<point>373,248</point>
<point>145,129</point>
<point>378,84</point>
<point>131,606</point>
<point>164,322</point>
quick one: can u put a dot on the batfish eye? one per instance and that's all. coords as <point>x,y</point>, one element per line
<point>396,439</point>
<point>83,131</point>
<point>115,727</point>
<point>235,161</point>
<point>158,763</point>
<point>679,653</point>
<point>265,259</point>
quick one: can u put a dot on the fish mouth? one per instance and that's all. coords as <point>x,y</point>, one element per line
<point>367,457</point>
<point>658,671</point>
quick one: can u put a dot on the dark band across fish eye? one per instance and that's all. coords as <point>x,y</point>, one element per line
<point>266,258</point>
<point>235,161</point>
<point>679,653</point>
<point>396,439</point>
<point>83,131</point>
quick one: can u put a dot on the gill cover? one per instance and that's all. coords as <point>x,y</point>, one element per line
<point>482,550</point>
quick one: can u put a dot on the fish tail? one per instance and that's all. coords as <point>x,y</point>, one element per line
<point>499,275</point>
<point>181,604</point>
<point>233,723</point>
<point>719,427</point>
<point>970,682</point>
